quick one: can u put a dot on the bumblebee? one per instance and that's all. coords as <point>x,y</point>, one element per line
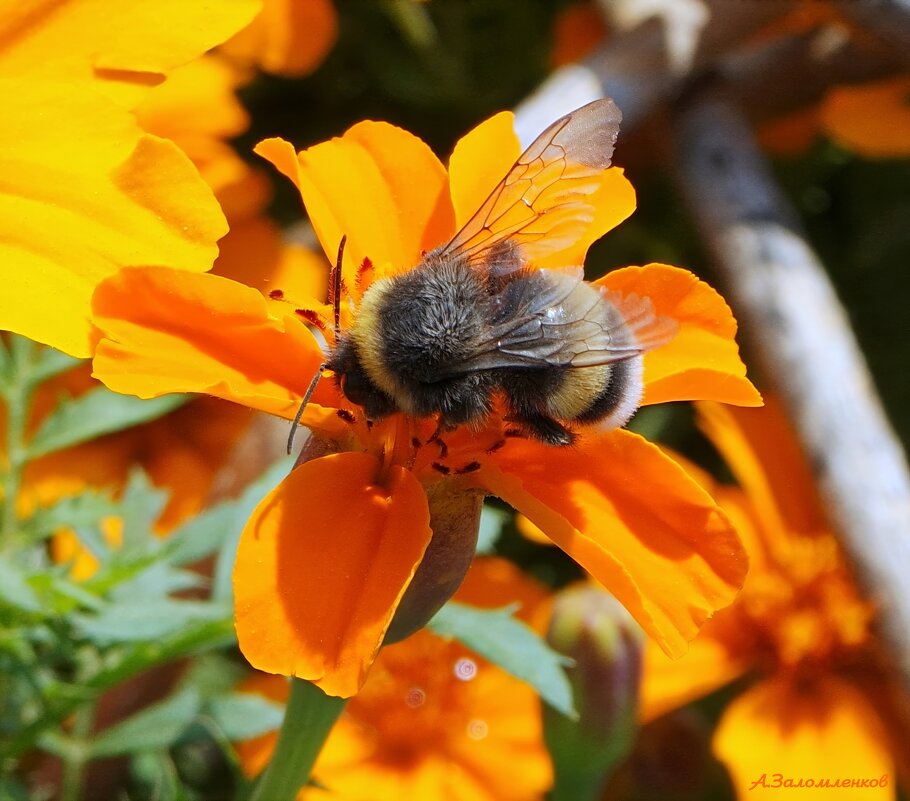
<point>474,320</point>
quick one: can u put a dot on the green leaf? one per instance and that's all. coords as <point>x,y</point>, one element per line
<point>156,773</point>
<point>15,589</point>
<point>496,635</point>
<point>141,506</point>
<point>11,790</point>
<point>202,535</point>
<point>155,727</point>
<point>68,593</point>
<point>92,538</point>
<point>214,674</point>
<point>492,521</point>
<point>145,619</point>
<point>78,511</point>
<point>94,414</point>
<point>156,581</point>
<point>4,375</point>
<point>244,715</point>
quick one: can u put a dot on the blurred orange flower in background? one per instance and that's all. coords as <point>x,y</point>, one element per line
<point>577,31</point>
<point>181,452</point>
<point>434,720</point>
<point>872,119</point>
<point>327,557</point>
<point>821,707</point>
<point>288,37</point>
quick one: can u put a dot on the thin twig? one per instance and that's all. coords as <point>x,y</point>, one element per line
<point>802,339</point>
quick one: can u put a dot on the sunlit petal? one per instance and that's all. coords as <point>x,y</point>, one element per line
<point>632,518</point>
<point>170,331</point>
<point>120,49</point>
<point>702,360</point>
<point>85,192</point>
<point>479,161</point>
<point>322,564</point>
<point>379,185</point>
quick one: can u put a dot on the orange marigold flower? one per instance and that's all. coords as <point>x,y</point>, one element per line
<point>86,190</point>
<point>821,707</point>
<point>327,557</point>
<point>434,720</point>
<point>288,37</point>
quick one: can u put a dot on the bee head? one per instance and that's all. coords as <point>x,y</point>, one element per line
<point>356,384</point>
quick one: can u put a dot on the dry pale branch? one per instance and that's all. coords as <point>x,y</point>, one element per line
<point>639,67</point>
<point>802,341</point>
<point>770,76</point>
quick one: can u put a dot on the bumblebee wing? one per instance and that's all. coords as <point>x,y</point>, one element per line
<point>543,204</point>
<point>553,318</point>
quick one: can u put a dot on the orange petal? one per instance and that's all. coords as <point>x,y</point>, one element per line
<point>613,203</point>
<point>120,49</point>
<point>669,684</point>
<point>762,451</point>
<point>170,331</point>
<point>379,185</point>
<point>702,361</point>
<point>197,100</point>
<point>288,37</point>
<point>197,109</point>
<point>480,160</point>
<point>86,192</point>
<point>532,532</point>
<point>780,733</point>
<point>872,119</point>
<point>322,565</point>
<point>254,253</point>
<point>633,518</point>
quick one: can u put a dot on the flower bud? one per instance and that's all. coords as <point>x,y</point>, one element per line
<point>591,626</point>
<point>455,521</point>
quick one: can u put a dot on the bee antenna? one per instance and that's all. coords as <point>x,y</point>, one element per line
<point>306,399</point>
<point>335,300</point>
<point>335,287</point>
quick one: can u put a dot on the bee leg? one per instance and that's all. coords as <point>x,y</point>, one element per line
<point>544,428</point>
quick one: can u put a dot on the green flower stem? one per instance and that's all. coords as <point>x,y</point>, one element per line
<point>17,392</point>
<point>308,720</point>
<point>76,755</point>
<point>414,22</point>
